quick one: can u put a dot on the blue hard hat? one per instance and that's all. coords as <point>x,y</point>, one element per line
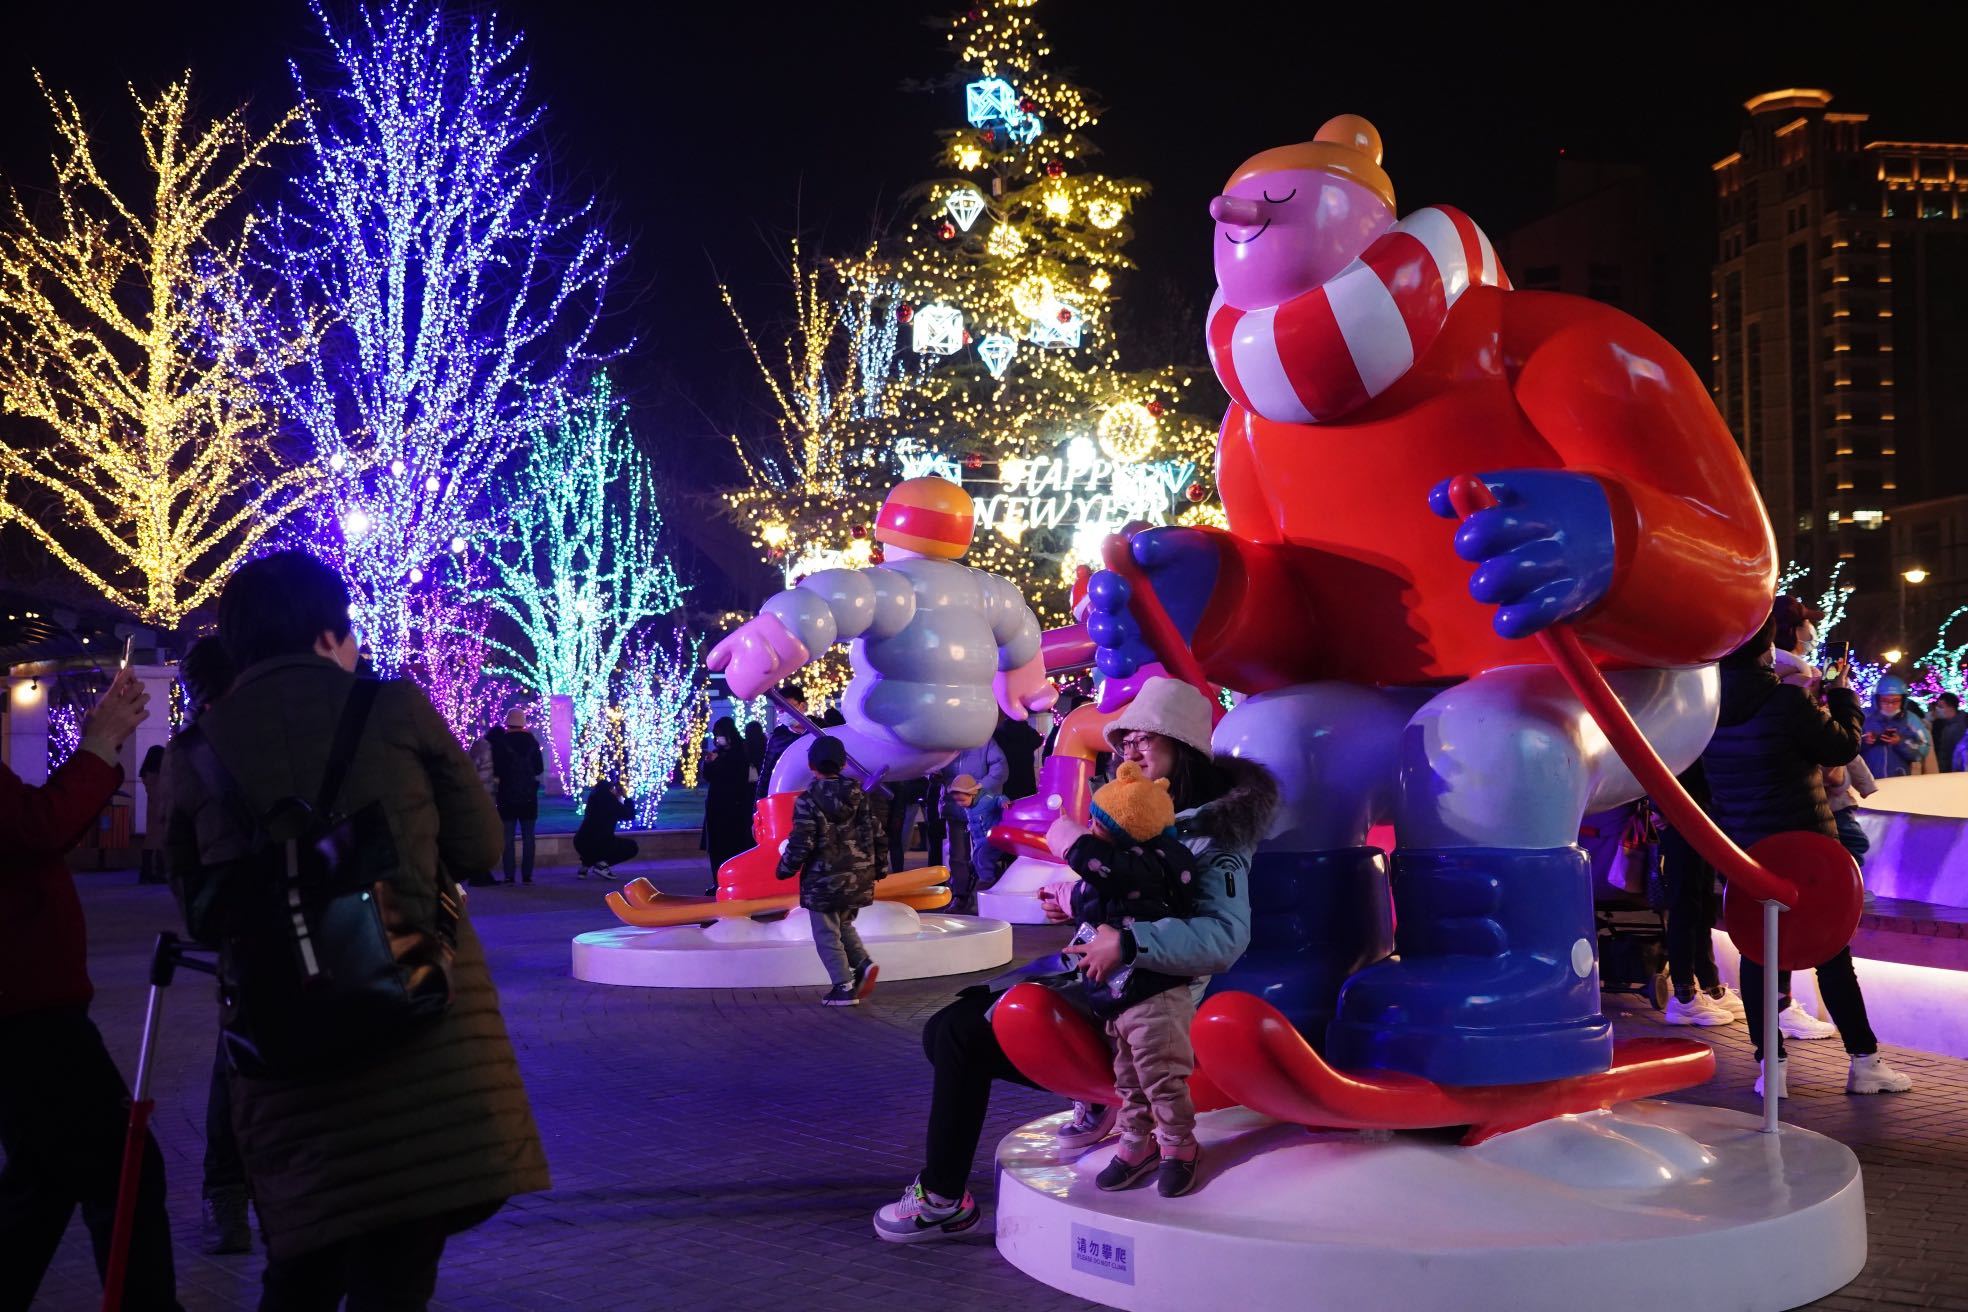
<point>1889,685</point>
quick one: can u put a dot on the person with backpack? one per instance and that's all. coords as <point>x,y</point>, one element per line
<point>517,766</point>
<point>835,850</point>
<point>388,1127</point>
<point>64,1108</point>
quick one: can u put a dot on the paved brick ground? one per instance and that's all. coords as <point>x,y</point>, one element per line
<point>724,1149</point>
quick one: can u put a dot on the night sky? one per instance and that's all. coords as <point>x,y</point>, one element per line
<point>713,130</point>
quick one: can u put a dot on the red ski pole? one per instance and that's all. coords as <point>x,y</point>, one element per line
<point>1820,887</point>
<point>164,961</point>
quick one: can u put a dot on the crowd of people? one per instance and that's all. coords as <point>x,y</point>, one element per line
<point>292,767</point>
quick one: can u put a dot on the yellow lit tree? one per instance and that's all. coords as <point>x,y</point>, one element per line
<point>145,464</point>
<point>980,340</point>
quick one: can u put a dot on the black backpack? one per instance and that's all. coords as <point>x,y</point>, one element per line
<point>319,969</point>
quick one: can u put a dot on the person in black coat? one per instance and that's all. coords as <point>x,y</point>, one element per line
<point>1765,775</point>
<point>728,796</point>
<point>596,843</point>
<point>1020,743</point>
<point>516,767</point>
<point>786,730</point>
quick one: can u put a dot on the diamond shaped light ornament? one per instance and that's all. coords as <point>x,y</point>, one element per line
<point>990,101</point>
<point>964,205</point>
<point>1055,325</point>
<point>937,330</point>
<point>997,352</point>
<point>1025,128</point>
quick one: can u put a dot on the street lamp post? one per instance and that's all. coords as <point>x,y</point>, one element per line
<point>1916,575</point>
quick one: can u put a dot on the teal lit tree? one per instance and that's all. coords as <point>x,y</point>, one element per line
<point>577,571</point>
<point>461,293</point>
<point>659,685</point>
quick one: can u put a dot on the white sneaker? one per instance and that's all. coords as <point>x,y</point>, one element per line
<point>1871,1075</point>
<point>1797,1023</point>
<point>1699,1010</point>
<point>1783,1079</point>
<point>1730,1001</point>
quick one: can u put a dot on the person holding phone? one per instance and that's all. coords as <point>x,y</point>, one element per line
<point>1894,738</point>
<point>63,1103</point>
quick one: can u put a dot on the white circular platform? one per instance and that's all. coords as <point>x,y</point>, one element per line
<point>1651,1205</point>
<point>744,953</point>
<point>1015,897</point>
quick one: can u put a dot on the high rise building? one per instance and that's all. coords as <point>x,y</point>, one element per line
<point>1840,326</point>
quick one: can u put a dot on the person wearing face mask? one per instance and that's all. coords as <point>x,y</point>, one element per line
<point>1894,738</point>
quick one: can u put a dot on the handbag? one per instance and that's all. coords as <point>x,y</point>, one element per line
<point>321,969</point>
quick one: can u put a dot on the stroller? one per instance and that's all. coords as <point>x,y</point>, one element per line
<point>1629,900</point>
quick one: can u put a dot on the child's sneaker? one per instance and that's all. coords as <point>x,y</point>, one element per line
<point>602,870</point>
<point>1177,1176</point>
<point>582,873</point>
<point>1120,1173</point>
<point>842,995</point>
<point>1797,1023</point>
<point>1090,1124</point>
<point>1698,1010</point>
<point>864,979</point>
<point>922,1215</point>
<point>1871,1075</point>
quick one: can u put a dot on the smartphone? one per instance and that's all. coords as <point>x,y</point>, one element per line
<point>1835,652</point>
<point>129,646</point>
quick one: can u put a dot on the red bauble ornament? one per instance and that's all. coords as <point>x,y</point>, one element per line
<point>1029,105</point>
<point>1154,407</point>
<point>947,230</point>
<point>778,553</point>
<point>973,461</point>
<point>1054,168</point>
<point>904,313</point>
<point>966,341</point>
<point>1196,492</point>
<point>973,15</point>
<point>876,555</point>
<point>1065,315</point>
<point>860,530</point>
<point>988,138</point>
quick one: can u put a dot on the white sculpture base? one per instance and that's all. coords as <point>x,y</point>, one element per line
<point>1015,897</point>
<point>743,953</point>
<point>1651,1205</point>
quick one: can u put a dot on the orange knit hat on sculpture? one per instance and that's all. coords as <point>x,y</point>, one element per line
<point>1134,805</point>
<point>1347,145</point>
<point>929,515</point>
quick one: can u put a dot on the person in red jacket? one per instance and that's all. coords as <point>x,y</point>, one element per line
<point>63,1103</point>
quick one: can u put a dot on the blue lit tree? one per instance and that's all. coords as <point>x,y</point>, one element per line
<point>462,295</point>
<point>577,569</point>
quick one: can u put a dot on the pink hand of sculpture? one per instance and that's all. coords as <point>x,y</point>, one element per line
<point>1025,689</point>
<point>757,654</point>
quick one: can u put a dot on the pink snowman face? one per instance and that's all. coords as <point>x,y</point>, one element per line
<point>1282,233</point>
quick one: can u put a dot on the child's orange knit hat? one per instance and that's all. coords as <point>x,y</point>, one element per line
<point>1134,805</point>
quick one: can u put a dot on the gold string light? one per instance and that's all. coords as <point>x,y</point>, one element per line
<point>122,341</point>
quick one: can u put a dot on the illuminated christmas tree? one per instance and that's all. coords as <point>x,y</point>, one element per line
<point>145,464</point>
<point>1007,376</point>
<point>577,570</point>
<point>464,294</point>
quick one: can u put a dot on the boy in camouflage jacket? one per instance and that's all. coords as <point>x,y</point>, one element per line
<point>838,850</point>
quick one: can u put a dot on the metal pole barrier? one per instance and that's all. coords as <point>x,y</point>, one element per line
<point>1772,1036</point>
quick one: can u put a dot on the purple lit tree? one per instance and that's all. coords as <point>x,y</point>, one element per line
<point>461,293</point>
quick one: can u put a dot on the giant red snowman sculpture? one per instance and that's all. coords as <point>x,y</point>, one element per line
<point>1369,361</point>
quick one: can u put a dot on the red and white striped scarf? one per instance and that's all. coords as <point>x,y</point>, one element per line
<point>1327,352</point>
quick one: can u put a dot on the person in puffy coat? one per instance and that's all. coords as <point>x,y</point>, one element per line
<point>1765,769</point>
<point>359,1177</point>
<point>835,850</point>
<point>1893,737</point>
